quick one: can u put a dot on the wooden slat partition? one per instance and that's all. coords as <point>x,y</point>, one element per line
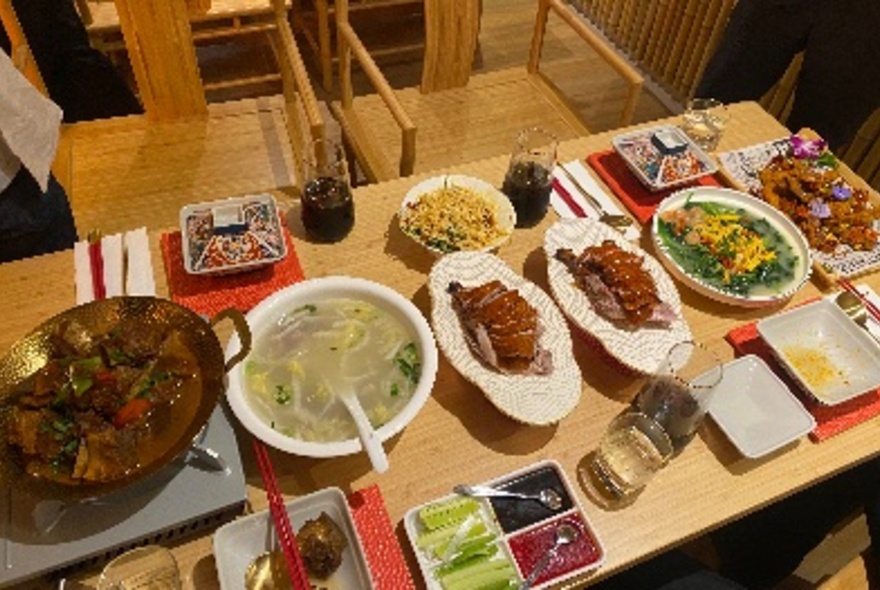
<point>672,40</point>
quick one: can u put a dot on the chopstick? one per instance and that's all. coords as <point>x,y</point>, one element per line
<point>96,263</point>
<point>869,305</point>
<point>295,566</point>
<point>566,196</point>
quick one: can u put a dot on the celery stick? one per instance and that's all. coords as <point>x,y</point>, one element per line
<point>488,571</point>
<point>446,513</point>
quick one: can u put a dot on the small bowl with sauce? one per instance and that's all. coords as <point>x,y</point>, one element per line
<point>828,355</point>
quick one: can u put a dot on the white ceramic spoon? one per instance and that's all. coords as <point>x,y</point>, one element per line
<point>369,439</point>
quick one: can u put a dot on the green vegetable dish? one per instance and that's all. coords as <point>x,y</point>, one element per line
<point>460,541</point>
<point>728,248</point>
<point>302,361</point>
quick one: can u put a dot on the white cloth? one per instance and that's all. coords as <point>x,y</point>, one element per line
<point>29,124</point>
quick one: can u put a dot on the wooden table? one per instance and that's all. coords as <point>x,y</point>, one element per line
<point>460,437</point>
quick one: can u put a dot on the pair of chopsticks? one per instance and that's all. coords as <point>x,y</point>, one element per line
<point>869,305</point>
<point>295,566</point>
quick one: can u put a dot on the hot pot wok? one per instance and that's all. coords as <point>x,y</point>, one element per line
<point>182,420</point>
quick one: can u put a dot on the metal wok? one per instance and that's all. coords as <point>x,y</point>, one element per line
<point>188,415</point>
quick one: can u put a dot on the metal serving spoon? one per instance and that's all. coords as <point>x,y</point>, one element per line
<point>268,571</point>
<point>547,496</point>
<point>853,307</point>
<point>565,534</point>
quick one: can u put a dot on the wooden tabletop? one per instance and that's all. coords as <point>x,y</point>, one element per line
<point>460,437</point>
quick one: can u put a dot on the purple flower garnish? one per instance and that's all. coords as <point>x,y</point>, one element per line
<point>841,193</point>
<point>807,148</point>
<point>820,209</point>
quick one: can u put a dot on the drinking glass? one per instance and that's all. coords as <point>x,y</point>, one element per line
<point>704,122</point>
<point>327,205</point>
<point>633,448</point>
<point>678,394</point>
<point>146,568</point>
<point>529,177</point>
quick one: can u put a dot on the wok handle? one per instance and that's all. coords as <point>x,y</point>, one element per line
<point>243,331</point>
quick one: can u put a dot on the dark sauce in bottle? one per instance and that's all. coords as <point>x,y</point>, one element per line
<point>528,185</point>
<point>327,209</point>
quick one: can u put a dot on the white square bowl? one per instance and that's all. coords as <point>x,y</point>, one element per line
<point>830,356</point>
<point>756,410</point>
<point>238,543</point>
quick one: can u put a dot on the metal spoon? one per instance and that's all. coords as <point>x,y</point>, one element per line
<point>853,307</point>
<point>547,496</point>
<point>565,534</point>
<point>268,572</point>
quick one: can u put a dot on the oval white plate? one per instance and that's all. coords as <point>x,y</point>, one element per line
<point>642,349</point>
<point>506,213</point>
<point>753,206</point>
<point>532,399</point>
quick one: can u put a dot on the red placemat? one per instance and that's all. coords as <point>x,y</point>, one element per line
<point>387,564</point>
<point>632,193</point>
<point>208,295</point>
<point>830,420</point>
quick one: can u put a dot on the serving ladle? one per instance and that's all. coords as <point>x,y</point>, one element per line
<point>268,571</point>
<point>565,534</point>
<point>547,496</point>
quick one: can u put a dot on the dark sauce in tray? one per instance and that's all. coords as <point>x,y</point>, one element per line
<point>514,514</point>
<point>530,546</point>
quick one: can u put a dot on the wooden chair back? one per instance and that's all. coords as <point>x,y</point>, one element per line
<point>451,30</point>
<point>22,56</point>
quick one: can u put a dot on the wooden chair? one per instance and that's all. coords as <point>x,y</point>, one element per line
<point>314,20</point>
<point>21,56</point>
<point>852,576</point>
<point>459,116</point>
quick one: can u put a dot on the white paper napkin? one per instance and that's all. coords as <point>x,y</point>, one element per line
<point>585,179</point>
<point>128,266</point>
<point>139,276</point>
<point>29,122</point>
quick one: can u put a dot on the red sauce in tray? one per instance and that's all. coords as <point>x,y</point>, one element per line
<point>528,548</point>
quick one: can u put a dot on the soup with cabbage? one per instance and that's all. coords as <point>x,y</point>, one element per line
<point>298,363</point>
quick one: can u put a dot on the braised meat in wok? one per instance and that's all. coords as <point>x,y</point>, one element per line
<point>100,406</point>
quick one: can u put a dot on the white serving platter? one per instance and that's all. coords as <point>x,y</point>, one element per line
<point>642,349</point>
<point>531,399</point>
<point>752,207</point>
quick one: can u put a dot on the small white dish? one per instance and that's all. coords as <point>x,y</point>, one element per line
<point>531,399</point>
<point>642,349</point>
<point>505,215</point>
<point>238,543</point>
<point>831,357</point>
<point>756,410</point>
